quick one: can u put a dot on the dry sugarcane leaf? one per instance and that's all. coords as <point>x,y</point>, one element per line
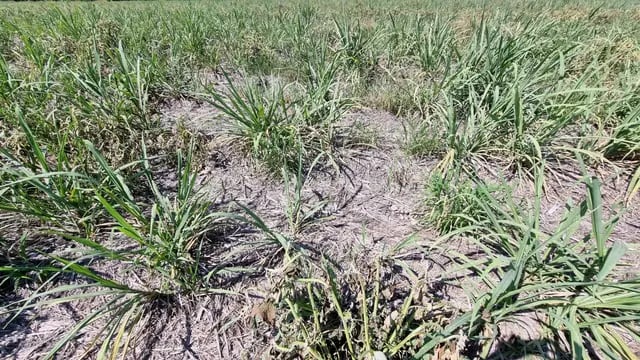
<point>266,311</point>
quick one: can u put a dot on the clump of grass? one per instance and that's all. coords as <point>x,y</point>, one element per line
<point>435,46</point>
<point>300,215</point>
<point>421,139</point>
<point>355,315</point>
<point>121,93</point>
<point>625,139</point>
<point>260,119</point>
<point>355,43</point>
<point>277,128</point>
<point>43,189</point>
<point>165,242</point>
<point>587,307</point>
<point>454,203</point>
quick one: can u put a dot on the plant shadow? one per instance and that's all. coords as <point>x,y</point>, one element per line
<point>515,347</point>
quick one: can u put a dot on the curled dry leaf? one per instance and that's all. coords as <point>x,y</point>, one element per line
<point>266,311</point>
<point>447,351</point>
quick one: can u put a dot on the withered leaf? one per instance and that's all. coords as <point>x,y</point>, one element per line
<point>266,311</point>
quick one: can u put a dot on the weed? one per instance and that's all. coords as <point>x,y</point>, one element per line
<point>298,215</point>
<point>455,203</point>
<point>277,129</point>
<point>354,316</point>
<point>421,139</point>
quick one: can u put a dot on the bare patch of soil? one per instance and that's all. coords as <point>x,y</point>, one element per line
<point>376,200</point>
<point>371,204</point>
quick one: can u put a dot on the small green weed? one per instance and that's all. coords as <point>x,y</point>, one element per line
<point>453,203</point>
